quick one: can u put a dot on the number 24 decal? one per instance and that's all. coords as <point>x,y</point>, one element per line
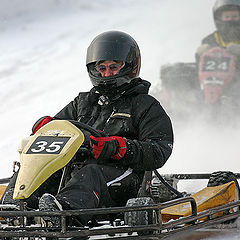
<point>43,146</point>
<point>212,65</point>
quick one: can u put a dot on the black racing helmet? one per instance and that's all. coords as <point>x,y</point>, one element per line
<point>228,29</point>
<point>115,46</point>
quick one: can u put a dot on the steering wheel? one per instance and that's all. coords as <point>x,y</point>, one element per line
<point>88,128</point>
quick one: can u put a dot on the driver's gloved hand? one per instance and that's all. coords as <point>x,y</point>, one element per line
<point>234,49</point>
<point>41,122</point>
<point>202,48</point>
<point>108,147</point>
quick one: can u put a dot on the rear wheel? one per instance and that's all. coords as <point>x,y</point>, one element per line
<point>180,90</point>
<point>221,177</point>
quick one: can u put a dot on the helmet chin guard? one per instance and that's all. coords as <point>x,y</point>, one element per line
<point>229,30</point>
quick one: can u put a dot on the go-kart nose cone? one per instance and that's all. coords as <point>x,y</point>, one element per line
<point>51,148</point>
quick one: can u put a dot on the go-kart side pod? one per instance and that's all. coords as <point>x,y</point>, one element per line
<point>50,149</point>
<point>207,198</point>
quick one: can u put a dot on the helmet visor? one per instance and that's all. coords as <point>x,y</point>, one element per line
<point>109,51</point>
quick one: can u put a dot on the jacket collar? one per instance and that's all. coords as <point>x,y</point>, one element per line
<point>137,86</point>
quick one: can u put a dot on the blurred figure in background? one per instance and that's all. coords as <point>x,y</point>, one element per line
<point>226,15</point>
<point>218,59</point>
<point>208,88</point>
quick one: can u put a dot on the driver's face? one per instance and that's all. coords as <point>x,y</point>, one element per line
<point>230,15</point>
<point>109,68</point>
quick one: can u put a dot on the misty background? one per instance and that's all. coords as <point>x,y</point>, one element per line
<point>43,46</point>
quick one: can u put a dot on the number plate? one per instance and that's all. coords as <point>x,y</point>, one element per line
<point>216,65</point>
<point>48,145</point>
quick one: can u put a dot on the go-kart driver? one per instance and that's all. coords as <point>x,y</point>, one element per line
<point>226,14</point>
<point>138,131</point>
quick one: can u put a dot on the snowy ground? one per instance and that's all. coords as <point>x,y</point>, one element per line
<point>42,67</point>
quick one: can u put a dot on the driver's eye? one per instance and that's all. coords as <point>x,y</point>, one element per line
<point>112,67</point>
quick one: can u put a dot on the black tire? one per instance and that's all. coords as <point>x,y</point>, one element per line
<point>221,177</point>
<point>135,218</point>
<point>180,76</point>
<point>180,91</point>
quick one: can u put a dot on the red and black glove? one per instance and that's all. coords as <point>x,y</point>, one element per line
<point>108,147</point>
<point>41,122</point>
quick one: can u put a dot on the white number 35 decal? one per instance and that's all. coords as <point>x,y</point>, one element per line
<point>47,145</point>
<point>42,145</point>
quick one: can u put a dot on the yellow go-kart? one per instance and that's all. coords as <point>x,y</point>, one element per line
<point>159,212</point>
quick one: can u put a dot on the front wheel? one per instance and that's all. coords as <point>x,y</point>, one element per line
<point>136,218</point>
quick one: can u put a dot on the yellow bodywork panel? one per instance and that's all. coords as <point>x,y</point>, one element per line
<point>2,190</point>
<point>50,149</point>
<point>207,198</point>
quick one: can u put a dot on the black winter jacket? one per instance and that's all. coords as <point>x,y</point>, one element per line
<point>215,39</point>
<point>134,115</point>
<point>211,40</point>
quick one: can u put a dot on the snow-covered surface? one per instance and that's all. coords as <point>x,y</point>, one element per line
<point>42,67</point>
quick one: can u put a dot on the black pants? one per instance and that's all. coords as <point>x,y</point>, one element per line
<point>99,185</point>
<point>92,186</point>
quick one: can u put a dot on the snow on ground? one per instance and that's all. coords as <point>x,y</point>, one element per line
<point>42,67</point>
